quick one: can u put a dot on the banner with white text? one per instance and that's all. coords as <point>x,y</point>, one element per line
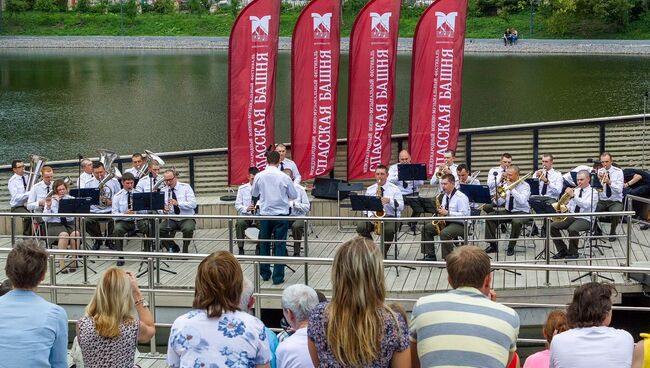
<point>314,84</point>
<point>371,91</point>
<point>436,79</point>
<point>252,58</point>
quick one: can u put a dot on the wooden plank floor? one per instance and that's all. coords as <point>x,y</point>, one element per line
<point>401,283</point>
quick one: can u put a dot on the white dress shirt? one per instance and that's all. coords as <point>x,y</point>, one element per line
<point>288,164</point>
<point>584,198</point>
<point>521,195</point>
<point>567,177</point>
<point>17,189</point>
<point>293,352</point>
<point>145,184</point>
<point>185,198</point>
<point>244,199</point>
<point>412,186</point>
<point>114,186</point>
<point>121,204</point>
<point>83,180</point>
<point>588,347</point>
<point>454,171</point>
<point>300,206</point>
<point>458,204</point>
<point>393,208</point>
<point>616,183</point>
<point>275,190</point>
<point>133,171</point>
<point>38,192</point>
<point>491,181</point>
<point>54,208</point>
<point>555,184</point>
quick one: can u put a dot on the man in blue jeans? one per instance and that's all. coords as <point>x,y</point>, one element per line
<point>275,189</point>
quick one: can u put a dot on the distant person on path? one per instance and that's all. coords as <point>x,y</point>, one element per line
<point>514,36</point>
<point>507,37</point>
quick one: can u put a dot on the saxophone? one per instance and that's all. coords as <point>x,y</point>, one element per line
<point>561,207</point>
<point>379,214</point>
<point>438,224</point>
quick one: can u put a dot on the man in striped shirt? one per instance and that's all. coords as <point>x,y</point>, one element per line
<point>465,326</point>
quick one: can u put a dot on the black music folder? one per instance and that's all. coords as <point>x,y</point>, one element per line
<point>534,185</point>
<point>148,201</point>
<point>411,172</point>
<point>476,193</point>
<point>366,203</point>
<point>75,205</point>
<point>92,193</point>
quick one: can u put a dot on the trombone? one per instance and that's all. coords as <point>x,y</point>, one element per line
<point>502,190</point>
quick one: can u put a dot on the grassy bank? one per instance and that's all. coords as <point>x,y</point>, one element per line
<point>151,24</point>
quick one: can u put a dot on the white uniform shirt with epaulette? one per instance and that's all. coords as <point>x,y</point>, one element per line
<point>185,198</point>
<point>554,186</point>
<point>396,204</point>
<point>616,185</point>
<point>83,180</point>
<point>147,182</point>
<point>18,189</point>
<point>569,179</point>
<point>121,204</point>
<point>113,184</point>
<point>521,195</point>
<point>458,205</point>
<point>299,206</point>
<point>38,192</point>
<point>586,199</point>
<point>244,199</point>
<point>133,171</point>
<point>491,179</point>
<point>454,171</point>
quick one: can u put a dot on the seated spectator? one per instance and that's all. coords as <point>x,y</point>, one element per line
<point>34,331</point>
<point>287,330</point>
<point>514,36</point>
<point>109,333</point>
<point>507,37</point>
<point>215,333</point>
<point>297,303</point>
<point>451,328</point>
<point>555,323</point>
<point>357,328</point>
<point>247,304</point>
<point>590,342</point>
<point>5,287</point>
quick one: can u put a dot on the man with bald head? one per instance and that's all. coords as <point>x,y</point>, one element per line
<point>409,188</point>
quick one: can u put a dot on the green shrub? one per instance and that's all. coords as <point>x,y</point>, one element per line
<point>46,5</point>
<point>83,6</point>
<point>164,6</point>
<point>131,8</point>
<point>196,6</point>
<point>17,5</point>
<point>101,7</point>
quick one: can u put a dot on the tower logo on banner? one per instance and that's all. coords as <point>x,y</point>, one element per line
<point>380,24</point>
<point>446,24</point>
<point>260,28</point>
<point>322,24</point>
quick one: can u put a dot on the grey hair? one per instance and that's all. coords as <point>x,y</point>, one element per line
<point>246,294</point>
<point>585,173</point>
<point>300,299</point>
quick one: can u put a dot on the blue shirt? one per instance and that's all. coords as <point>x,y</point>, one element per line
<point>34,331</point>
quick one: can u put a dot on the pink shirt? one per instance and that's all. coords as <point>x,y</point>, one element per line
<point>538,360</point>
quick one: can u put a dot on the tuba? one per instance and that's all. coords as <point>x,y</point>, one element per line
<point>561,207</point>
<point>35,166</point>
<point>379,214</point>
<point>438,224</point>
<point>106,193</point>
<point>501,191</point>
<point>107,158</point>
<point>149,157</point>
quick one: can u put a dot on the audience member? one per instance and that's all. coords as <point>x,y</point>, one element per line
<point>466,328</point>
<point>591,342</point>
<point>109,332</point>
<point>215,332</point>
<point>246,304</point>
<point>555,323</point>
<point>34,331</point>
<point>297,303</point>
<point>5,287</point>
<point>357,328</point>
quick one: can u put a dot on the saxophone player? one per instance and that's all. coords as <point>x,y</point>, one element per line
<point>453,203</point>
<point>393,201</point>
<point>516,202</point>
<point>583,199</point>
<point>448,167</point>
<point>111,187</point>
<point>611,198</point>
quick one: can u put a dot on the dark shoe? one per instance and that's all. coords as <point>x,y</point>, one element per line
<point>65,271</point>
<point>491,249</point>
<point>296,254</point>
<point>241,251</point>
<point>612,239</point>
<point>510,251</point>
<point>110,244</point>
<point>429,257</point>
<point>644,227</point>
<point>413,227</point>
<point>560,255</point>
<point>504,229</point>
<point>96,245</point>
<point>174,249</point>
<point>120,262</point>
<point>571,256</point>
<point>598,231</point>
<point>72,269</point>
<point>534,231</point>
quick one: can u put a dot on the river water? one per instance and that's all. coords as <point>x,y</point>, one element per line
<point>61,102</point>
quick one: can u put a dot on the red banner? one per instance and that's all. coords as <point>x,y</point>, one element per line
<point>252,55</point>
<point>373,51</point>
<point>436,78</point>
<point>314,83</point>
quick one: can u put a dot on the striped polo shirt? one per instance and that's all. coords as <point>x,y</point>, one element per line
<point>463,328</point>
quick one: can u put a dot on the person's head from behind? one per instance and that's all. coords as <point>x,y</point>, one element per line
<point>355,328</point>
<point>5,287</point>
<point>469,266</point>
<point>273,158</point>
<point>218,285</point>
<point>112,304</point>
<point>556,323</point>
<point>297,303</point>
<point>247,299</point>
<point>591,305</point>
<point>26,265</point>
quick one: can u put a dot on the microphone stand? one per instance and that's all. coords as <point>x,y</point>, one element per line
<point>498,230</point>
<point>82,229</point>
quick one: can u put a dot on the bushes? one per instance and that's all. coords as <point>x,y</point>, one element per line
<point>17,5</point>
<point>46,5</point>
<point>164,6</point>
<point>588,16</point>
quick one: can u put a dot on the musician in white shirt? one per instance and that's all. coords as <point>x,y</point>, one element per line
<point>410,188</point>
<point>583,199</point>
<point>19,194</point>
<point>245,206</point>
<point>61,227</point>
<point>516,202</point>
<point>464,176</point>
<point>275,190</point>
<point>393,202</point>
<point>452,203</point>
<point>106,194</point>
<point>285,163</point>
<point>137,160</point>
<point>123,204</point>
<point>298,207</point>
<point>36,200</point>
<point>149,181</point>
<point>86,173</point>
<point>611,198</point>
<point>180,200</point>
<point>550,180</point>
<point>449,167</point>
<point>495,180</point>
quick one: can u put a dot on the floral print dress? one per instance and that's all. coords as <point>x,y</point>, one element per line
<point>235,340</point>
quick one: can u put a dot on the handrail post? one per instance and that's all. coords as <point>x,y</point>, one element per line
<point>83,241</point>
<point>381,235</point>
<point>629,246</point>
<point>152,299</point>
<point>53,294</point>
<point>256,285</point>
<point>156,227</point>
<point>466,230</point>
<point>13,230</point>
<point>547,249</point>
<point>231,245</point>
<point>306,242</point>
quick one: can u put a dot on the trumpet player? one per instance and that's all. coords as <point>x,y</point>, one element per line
<point>181,201</point>
<point>19,194</point>
<point>453,203</point>
<point>111,187</point>
<point>245,207</point>
<point>448,167</point>
<point>550,180</point>
<point>61,227</point>
<point>496,175</point>
<point>611,197</point>
<point>516,202</point>
<point>123,204</point>
<point>583,199</point>
<point>148,182</point>
<point>297,207</point>
<point>393,202</point>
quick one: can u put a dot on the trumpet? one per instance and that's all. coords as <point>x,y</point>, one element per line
<point>379,214</point>
<point>502,190</point>
<point>541,174</point>
<point>441,170</point>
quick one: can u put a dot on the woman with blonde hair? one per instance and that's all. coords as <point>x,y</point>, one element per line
<point>109,332</point>
<point>357,328</point>
<point>216,333</point>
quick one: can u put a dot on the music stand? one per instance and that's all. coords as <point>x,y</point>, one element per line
<point>150,201</point>
<point>476,193</point>
<point>77,205</point>
<point>92,193</point>
<point>343,192</point>
<point>412,172</point>
<point>540,206</point>
<point>534,186</point>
